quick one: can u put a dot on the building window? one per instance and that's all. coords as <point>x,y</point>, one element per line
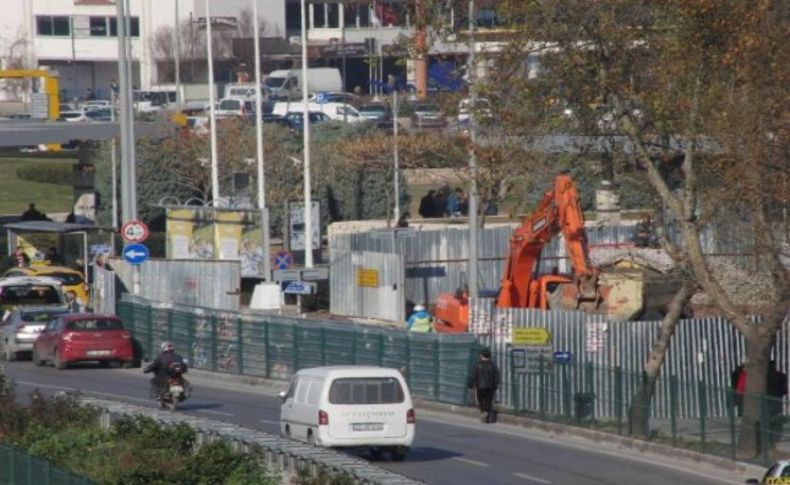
<point>319,15</point>
<point>363,11</point>
<point>98,26</point>
<point>47,25</point>
<point>134,27</point>
<point>333,21</point>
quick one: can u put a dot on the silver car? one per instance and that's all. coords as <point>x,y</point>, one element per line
<point>21,327</point>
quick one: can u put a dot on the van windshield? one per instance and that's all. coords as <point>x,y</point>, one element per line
<point>366,390</point>
<point>274,82</point>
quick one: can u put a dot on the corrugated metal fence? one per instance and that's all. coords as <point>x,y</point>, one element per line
<point>214,284</point>
<point>382,298</point>
<point>276,347</point>
<point>607,358</point>
<point>19,467</point>
<point>436,260</point>
<point>103,290</point>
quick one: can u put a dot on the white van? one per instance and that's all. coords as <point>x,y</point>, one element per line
<point>349,406</point>
<point>335,111</point>
<point>286,83</point>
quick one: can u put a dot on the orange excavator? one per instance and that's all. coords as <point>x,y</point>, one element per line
<point>587,289</point>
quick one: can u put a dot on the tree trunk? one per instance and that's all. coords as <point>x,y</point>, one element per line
<point>759,342</point>
<point>639,412</point>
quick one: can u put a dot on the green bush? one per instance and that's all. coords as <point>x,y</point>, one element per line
<point>47,173</point>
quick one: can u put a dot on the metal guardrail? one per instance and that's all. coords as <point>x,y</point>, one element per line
<point>279,454</point>
<point>18,467</point>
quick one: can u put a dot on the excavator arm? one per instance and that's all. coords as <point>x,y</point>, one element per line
<point>559,212</point>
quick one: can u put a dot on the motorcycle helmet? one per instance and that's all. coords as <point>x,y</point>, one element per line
<point>419,308</point>
<point>167,347</point>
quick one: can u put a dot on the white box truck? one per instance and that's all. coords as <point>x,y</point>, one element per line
<point>287,83</point>
<point>335,111</point>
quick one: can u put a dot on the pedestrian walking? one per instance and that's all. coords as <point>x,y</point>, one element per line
<point>427,205</point>
<point>484,380</point>
<point>738,383</point>
<point>776,388</point>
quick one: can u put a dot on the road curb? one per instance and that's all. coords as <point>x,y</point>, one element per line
<point>636,446</point>
<point>621,442</point>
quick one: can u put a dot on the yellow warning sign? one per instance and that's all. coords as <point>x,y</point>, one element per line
<point>367,278</point>
<point>530,336</point>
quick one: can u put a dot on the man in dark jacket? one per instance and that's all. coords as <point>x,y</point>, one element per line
<point>161,366</point>
<point>484,379</point>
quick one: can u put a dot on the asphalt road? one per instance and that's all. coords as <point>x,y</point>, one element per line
<point>448,449</point>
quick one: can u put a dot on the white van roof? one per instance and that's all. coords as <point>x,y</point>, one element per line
<point>349,371</point>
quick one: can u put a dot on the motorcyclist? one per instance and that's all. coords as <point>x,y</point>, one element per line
<point>161,366</point>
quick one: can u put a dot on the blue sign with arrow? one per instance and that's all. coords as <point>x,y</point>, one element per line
<point>299,288</point>
<point>135,253</point>
<point>563,357</point>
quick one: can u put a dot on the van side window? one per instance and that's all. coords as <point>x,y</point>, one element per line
<point>301,391</point>
<point>314,392</point>
<point>289,394</point>
<point>369,390</point>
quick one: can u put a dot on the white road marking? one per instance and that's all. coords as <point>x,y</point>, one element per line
<point>471,462</point>
<point>211,411</point>
<point>531,478</point>
<point>269,421</point>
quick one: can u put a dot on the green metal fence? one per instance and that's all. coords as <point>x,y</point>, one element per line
<point>603,398</point>
<point>435,365</point>
<point>20,468</point>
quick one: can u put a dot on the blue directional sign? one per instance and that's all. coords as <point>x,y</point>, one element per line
<point>563,357</point>
<point>135,253</point>
<point>299,288</point>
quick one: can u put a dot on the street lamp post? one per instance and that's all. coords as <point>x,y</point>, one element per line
<point>267,268</point>
<point>177,31</point>
<point>395,154</point>
<point>308,202</point>
<point>472,270</point>
<point>212,111</point>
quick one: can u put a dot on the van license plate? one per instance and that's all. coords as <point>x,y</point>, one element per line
<point>98,353</point>
<point>367,426</point>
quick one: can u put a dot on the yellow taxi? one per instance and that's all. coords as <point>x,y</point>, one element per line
<point>72,279</point>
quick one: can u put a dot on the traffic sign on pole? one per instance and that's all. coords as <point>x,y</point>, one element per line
<point>299,288</point>
<point>135,253</point>
<point>134,231</point>
<point>283,260</point>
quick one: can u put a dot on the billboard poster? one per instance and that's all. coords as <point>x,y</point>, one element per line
<point>296,225</point>
<point>206,233</point>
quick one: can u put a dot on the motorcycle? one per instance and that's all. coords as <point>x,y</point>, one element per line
<point>175,390</point>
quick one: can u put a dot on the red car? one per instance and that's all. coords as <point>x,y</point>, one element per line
<point>84,337</point>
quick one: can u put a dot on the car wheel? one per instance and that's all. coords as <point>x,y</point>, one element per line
<point>37,361</point>
<point>375,453</point>
<point>399,453</point>
<point>310,438</point>
<point>105,363</point>
<point>57,360</point>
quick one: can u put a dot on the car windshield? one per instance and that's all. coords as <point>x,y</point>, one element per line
<point>94,325</point>
<point>366,390</point>
<point>69,116</point>
<point>39,317</point>
<point>68,279</point>
<point>274,82</point>
<point>30,295</point>
<point>373,108</point>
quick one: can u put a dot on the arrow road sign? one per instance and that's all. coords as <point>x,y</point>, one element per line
<point>300,288</point>
<point>135,253</point>
<point>563,357</point>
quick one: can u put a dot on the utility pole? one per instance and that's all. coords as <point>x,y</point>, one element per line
<point>395,154</point>
<point>212,111</point>
<point>73,61</point>
<point>177,27</point>
<point>267,265</point>
<point>472,270</point>
<point>308,201</point>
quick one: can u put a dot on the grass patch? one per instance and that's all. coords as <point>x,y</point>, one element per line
<point>18,193</point>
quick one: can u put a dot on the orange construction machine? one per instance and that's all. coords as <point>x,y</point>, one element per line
<point>589,289</point>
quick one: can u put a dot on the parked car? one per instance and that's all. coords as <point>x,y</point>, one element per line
<point>427,116</point>
<point>20,291</point>
<point>376,111</point>
<point>779,472</point>
<point>20,329</point>
<point>73,116</point>
<point>71,279</point>
<point>101,114</point>
<point>350,406</point>
<point>84,337</point>
<point>94,104</point>
<point>324,97</point>
<point>229,107</point>
<point>296,123</point>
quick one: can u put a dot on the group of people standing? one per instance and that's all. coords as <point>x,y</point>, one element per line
<point>444,202</point>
